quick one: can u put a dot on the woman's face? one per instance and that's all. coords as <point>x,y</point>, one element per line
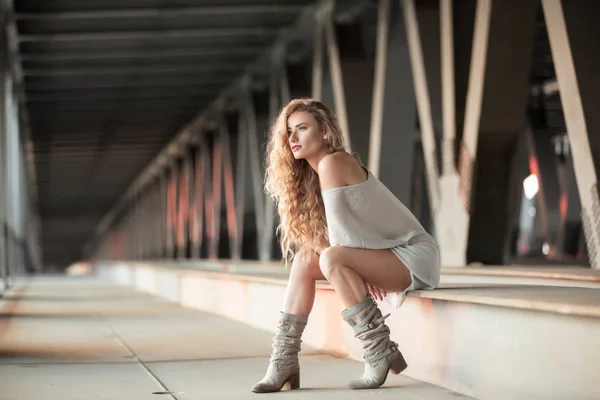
<point>305,137</point>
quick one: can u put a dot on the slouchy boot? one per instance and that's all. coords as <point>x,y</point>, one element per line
<point>381,354</point>
<point>284,367</point>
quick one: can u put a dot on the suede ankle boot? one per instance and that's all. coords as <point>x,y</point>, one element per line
<point>381,354</point>
<point>283,366</point>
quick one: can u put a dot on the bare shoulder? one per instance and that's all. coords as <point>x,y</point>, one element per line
<point>339,169</point>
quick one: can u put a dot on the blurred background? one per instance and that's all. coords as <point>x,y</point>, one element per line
<point>138,248</point>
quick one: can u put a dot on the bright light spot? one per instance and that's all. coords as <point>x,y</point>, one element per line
<point>545,249</point>
<point>531,186</point>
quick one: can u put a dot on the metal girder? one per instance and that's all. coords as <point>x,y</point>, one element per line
<point>117,99</point>
<point>162,12</point>
<point>423,102</point>
<point>132,105</point>
<point>168,54</point>
<point>134,71</point>
<point>52,85</point>
<point>164,34</point>
<point>182,93</point>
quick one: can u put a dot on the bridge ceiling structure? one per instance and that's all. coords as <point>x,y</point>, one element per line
<point>108,83</point>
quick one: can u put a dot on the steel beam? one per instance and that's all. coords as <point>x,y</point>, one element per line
<point>448,87</point>
<point>134,71</point>
<point>4,262</point>
<point>171,210</point>
<point>184,207</point>
<point>375,131</point>
<point>393,109</point>
<point>576,69</point>
<point>255,167</point>
<point>423,103</point>
<point>84,85</point>
<point>337,80</point>
<point>317,59</point>
<point>144,35</point>
<point>163,13</point>
<point>141,55</point>
<point>240,185</point>
<point>164,212</point>
<point>228,182</point>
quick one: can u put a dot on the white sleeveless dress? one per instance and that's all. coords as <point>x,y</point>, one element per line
<point>368,216</point>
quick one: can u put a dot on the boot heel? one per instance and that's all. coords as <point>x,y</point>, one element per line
<point>398,365</point>
<point>293,382</point>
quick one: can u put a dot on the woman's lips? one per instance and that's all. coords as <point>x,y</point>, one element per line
<point>296,147</point>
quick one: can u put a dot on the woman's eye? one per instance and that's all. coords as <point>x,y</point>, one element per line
<point>302,128</point>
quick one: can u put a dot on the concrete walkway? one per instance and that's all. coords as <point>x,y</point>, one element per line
<point>74,338</point>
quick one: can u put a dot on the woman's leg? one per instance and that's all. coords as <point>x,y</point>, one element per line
<point>299,298</point>
<point>300,292</point>
<point>347,269</point>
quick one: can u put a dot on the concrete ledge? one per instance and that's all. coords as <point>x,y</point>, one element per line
<point>449,338</point>
<point>561,273</point>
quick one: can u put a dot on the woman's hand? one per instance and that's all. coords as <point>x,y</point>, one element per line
<point>376,292</point>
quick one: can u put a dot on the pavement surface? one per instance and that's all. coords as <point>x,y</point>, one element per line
<point>73,338</point>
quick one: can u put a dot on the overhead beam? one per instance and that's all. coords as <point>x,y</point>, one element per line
<point>143,35</point>
<point>115,96</point>
<point>162,13</point>
<point>141,54</point>
<point>208,68</point>
<point>87,84</point>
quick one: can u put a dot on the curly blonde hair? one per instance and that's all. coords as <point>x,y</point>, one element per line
<point>293,184</point>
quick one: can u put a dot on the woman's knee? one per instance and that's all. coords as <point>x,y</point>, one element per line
<point>306,264</point>
<point>329,259</point>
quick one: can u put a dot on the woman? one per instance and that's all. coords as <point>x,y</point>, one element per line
<point>339,223</point>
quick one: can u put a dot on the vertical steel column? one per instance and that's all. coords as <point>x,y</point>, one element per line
<point>423,102</point>
<point>448,89</point>
<point>393,109</point>
<point>474,97</point>
<point>171,210</point>
<point>145,221</point>
<point>335,69</point>
<point>279,94</point>
<point>3,165</point>
<point>317,66</point>
<point>207,188</point>
<point>231,217</point>
<point>240,184</point>
<point>163,247</point>
<point>381,52</point>
<point>451,220</point>
<point>136,205</point>
<point>216,198</point>
<point>255,166</point>
<point>197,230</point>
<point>9,177</point>
<point>156,212</point>
<point>183,206</point>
